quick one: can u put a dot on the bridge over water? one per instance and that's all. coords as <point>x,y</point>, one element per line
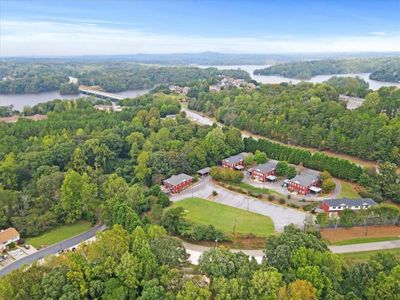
<point>100,94</point>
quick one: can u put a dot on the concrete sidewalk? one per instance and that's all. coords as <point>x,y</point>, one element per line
<point>195,251</point>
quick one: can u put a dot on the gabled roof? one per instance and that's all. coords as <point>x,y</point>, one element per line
<point>350,202</point>
<point>235,159</point>
<point>265,168</point>
<point>177,179</point>
<point>306,178</point>
<point>8,234</point>
<point>204,171</point>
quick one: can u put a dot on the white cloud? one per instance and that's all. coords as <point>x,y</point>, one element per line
<point>49,38</point>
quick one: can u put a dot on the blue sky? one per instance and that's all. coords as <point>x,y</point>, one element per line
<point>125,27</point>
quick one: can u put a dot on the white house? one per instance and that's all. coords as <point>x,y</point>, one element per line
<point>8,236</point>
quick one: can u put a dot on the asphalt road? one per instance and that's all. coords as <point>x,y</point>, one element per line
<point>53,249</point>
<point>195,251</point>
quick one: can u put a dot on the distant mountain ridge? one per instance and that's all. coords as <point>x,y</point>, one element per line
<point>205,58</point>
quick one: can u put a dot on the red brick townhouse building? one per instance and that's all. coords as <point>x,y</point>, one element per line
<point>177,183</point>
<point>335,206</point>
<point>265,171</point>
<point>8,236</point>
<point>235,162</point>
<point>306,182</point>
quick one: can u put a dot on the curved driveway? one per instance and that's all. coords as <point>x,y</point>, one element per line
<point>53,249</point>
<point>281,216</point>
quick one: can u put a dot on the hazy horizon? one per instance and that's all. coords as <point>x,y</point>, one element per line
<point>83,28</point>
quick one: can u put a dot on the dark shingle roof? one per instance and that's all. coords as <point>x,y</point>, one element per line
<point>235,159</point>
<point>350,202</point>
<point>265,168</point>
<point>306,178</point>
<point>177,179</point>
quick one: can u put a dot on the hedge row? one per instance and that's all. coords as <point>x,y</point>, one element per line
<point>337,167</point>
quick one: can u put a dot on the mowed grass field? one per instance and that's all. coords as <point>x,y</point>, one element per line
<point>358,257</point>
<point>226,218</point>
<point>348,190</point>
<point>58,234</point>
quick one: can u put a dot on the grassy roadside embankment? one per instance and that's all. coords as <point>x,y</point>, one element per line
<point>59,234</point>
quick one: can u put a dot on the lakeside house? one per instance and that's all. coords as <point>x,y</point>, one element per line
<point>306,182</point>
<point>104,107</point>
<point>8,236</point>
<point>228,83</point>
<point>177,183</point>
<point>265,171</point>
<point>335,206</point>
<point>235,162</point>
<point>183,90</point>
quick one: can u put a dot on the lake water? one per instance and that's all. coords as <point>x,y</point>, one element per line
<point>373,84</point>
<point>21,100</point>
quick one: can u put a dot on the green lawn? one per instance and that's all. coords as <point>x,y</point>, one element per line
<point>366,240</point>
<point>224,217</point>
<point>58,234</point>
<point>348,190</point>
<point>253,189</point>
<point>356,257</point>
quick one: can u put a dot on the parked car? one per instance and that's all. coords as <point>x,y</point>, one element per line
<point>26,246</point>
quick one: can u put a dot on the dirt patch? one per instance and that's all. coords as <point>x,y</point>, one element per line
<point>344,234</point>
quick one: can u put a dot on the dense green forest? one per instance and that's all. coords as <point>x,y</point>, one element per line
<point>81,163</point>
<point>387,72</point>
<point>63,169</point>
<point>146,263</point>
<point>349,86</point>
<point>384,69</point>
<point>311,115</point>
<point>30,77</point>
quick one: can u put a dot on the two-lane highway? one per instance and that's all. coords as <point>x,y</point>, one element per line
<point>53,249</point>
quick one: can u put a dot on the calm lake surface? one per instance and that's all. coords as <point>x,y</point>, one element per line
<point>373,84</point>
<point>21,100</point>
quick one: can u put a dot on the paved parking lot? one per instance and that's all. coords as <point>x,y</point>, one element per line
<point>16,254</point>
<point>280,215</point>
<point>277,187</point>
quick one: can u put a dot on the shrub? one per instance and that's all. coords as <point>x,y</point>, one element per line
<point>310,207</point>
<point>282,201</point>
<point>249,159</point>
<point>226,174</point>
<point>328,185</point>
<point>214,193</point>
<point>260,157</point>
<point>271,197</point>
<point>201,232</point>
<point>289,196</point>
